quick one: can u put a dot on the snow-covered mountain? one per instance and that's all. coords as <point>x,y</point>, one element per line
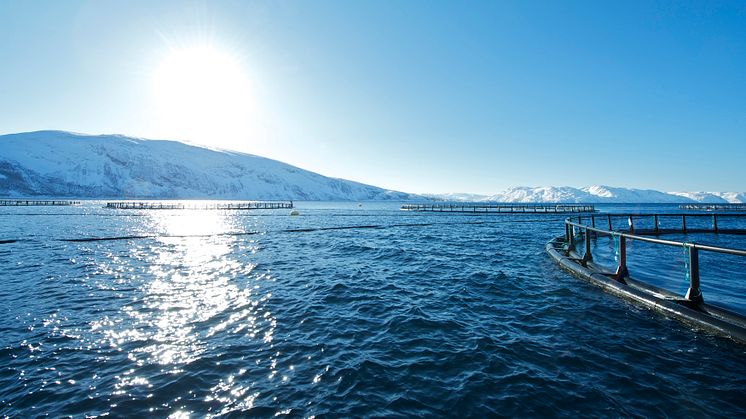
<point>714,197</point>
<point>629,195</point>
<point>541,194</point>
<point>63,164</point>
<point>57,163</point>
<point>455,197</point>
<point>600,194</point>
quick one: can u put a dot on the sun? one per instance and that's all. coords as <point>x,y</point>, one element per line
<point>202,94</point>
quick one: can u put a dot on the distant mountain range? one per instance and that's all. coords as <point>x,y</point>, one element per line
<point>597,194</point>
<point>64,164</point>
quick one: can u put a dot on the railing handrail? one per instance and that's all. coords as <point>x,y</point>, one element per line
<point>37,202</point>
<point>498,204</point>
<point>694,294</point>
<point>667,214</point>
<point>499,207</point>
<point>722,206</point>
<point>632,236</point>
<point>237,205</point>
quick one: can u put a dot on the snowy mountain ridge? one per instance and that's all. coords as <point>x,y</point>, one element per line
<point>65,164</point>
<point>600,194</point>
<point>58,163</point>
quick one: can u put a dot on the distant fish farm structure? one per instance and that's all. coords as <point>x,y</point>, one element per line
<point>714,207</point>
<point>228,206</point>
<point>35,203</point>
<point>482,208</point>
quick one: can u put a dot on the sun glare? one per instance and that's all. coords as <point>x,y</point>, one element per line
<point>202,94</point>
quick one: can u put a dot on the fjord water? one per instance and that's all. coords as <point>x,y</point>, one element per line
<point>345,310</point>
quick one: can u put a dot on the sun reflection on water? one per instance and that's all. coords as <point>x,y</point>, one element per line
<point>195,291</point>
<point>192,283</point>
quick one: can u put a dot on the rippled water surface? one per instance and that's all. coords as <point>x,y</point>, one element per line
<point>345,310</point>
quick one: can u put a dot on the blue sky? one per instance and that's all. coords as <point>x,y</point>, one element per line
<point>420,96</point>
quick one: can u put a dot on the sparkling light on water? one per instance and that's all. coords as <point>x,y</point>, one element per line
<point>195,290</point>
<point>202,313</point>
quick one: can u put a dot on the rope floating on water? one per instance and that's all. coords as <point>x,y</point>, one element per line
<point>290,230</point>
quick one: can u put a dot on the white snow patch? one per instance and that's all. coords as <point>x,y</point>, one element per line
<point>58,163</point>
<point>609,194</point>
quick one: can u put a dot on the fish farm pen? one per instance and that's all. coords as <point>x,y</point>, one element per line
<point>231,206</point>
<point>691,308</point>
<point>35,203</point>
<point>714,207</point>
<point>500,208</point>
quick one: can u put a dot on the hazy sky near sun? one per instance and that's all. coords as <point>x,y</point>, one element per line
<point>419,96</point>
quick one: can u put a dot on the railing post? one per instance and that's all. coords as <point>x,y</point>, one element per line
<point>593,221</point>
<point>715,223</point>
<point>683,223</point>
<point>631,224</point>
<point>621,270</point>
<point>571,242</point>
<point>587,255</point>
<point>609,217</point>
<point>694,294</point>
<point>655,222</point>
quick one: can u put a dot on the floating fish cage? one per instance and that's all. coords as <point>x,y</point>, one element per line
<point>714,207</point>
<point>500,208</point>
<point>230,206</point>
<point>690,308</point>
<point>35,203</point>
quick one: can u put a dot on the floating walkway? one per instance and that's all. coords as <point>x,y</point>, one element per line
<point>230,206</point>
<point>690,308</point>
<point>714,207</point>
<point>35,203</point>
<point>500,208</point>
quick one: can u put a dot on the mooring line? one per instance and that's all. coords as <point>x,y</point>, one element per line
<point>391,213</point>
<point>101,239</point>
<point>289,230</point>
<point>308,230</point>
<point>158,236</point>
<point>295,230</point>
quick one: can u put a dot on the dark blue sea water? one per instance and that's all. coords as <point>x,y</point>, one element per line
<point>341,311</point>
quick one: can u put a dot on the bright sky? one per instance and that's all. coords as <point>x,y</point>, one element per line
<point>419,96</point>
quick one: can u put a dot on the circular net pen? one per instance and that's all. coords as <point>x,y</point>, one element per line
<point>688,266</point>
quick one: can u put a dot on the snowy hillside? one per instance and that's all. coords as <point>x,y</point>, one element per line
<point>541,194</point>
<point>600,194</point>
<point>63,164</point>
<point>56,163</point>
<point>714,197</point>
<point>455,197</point>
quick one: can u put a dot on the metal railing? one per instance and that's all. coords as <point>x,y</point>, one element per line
<point>500,208</point>
<point>694,294</point>
<point>714,207</point>
<point>35,203</point>
<point>247,205</point>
